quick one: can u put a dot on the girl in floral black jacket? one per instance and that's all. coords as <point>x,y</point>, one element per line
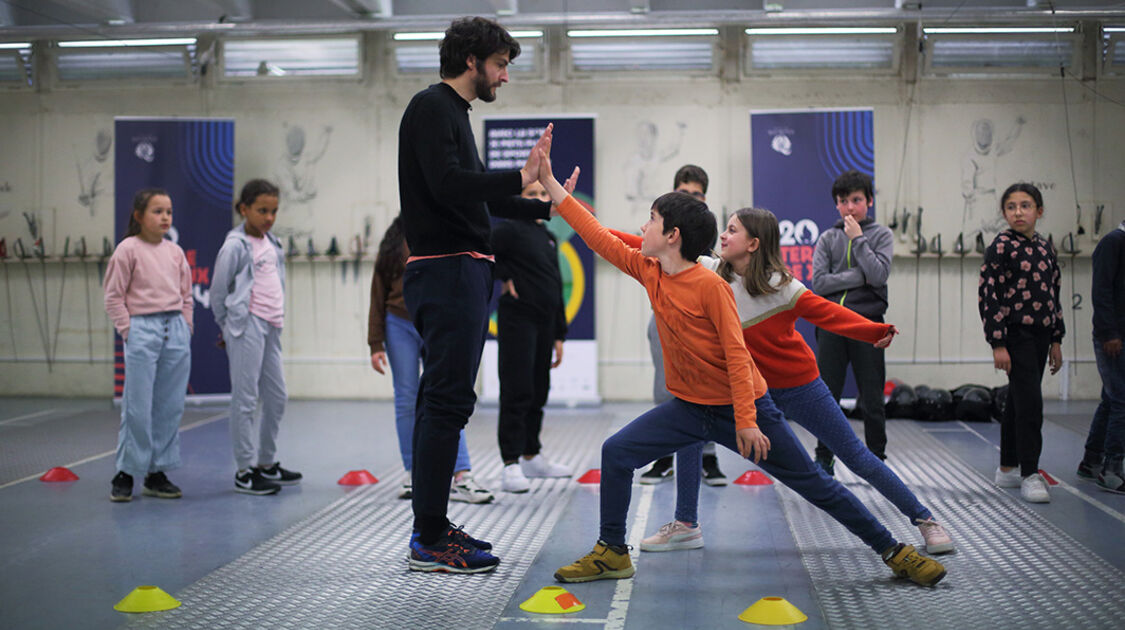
<point>1019,305</point>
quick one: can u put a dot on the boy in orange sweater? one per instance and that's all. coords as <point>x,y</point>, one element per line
<point>718,393</point>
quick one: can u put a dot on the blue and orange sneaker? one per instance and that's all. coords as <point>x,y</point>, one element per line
<point>458,533</point>
<point>450,554</point>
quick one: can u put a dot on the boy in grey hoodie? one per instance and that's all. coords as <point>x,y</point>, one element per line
<point>851,264</point>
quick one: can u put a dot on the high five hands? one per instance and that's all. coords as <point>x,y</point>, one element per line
<point>530,171</point>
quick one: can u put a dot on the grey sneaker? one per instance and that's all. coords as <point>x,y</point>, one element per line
<point>1112,481</point>
<point>469,491</point>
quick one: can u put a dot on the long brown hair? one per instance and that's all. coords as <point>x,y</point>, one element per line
<point>762,225</point>
<point>390,262</point>
<point>140,204</point>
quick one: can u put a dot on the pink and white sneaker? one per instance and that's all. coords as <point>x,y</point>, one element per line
<point>674,536</point>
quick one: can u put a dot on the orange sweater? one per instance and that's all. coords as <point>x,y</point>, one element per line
<point>769,325</point>
<point>705,357</point>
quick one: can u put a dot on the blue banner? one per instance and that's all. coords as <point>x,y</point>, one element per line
<point>194,161</point>
<point>796,157</point>
<point>507,142</point>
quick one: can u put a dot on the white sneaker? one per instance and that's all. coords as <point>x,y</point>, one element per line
<point>467,490</point>
<point>512,479</point>
<point>540,466</point>
<point>1009,479</point>
<point>674,536</point>
<point>1033,489</point>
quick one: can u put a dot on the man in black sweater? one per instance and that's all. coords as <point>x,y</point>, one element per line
<point>532,326</point>
<point>447,198</point>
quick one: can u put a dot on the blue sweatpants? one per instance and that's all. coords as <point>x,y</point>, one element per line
<point>677,423</point>
<point>157,366</point>
<point>813,407</point>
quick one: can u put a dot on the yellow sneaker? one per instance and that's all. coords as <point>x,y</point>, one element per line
<point>602,563</point>
<point>907,563</point>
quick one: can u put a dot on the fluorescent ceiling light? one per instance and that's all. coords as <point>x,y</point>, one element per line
<point>115,43</point>
<point>1108,29</point>
<point>990,30</point>
<point>860,30</point>
<point>435,36</point>
<point>644,32</point>
<point>14,45</point>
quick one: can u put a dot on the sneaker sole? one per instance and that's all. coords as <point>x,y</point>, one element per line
<point>437,567</point>
<point>282,483</point>
<point>716,481</point>
<point>162,495</point>
<point>694,543</point>
<point>652,481</point>
<point>1117,490</point>
<point>933,581</point>
<point>520,491</point>
<point>259,493</point>
<point>461,499</point>
<point>936,549</point>
<point>605,575</point>
<point>120,499</point>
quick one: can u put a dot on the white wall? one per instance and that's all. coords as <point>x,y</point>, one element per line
<point>48,135</point>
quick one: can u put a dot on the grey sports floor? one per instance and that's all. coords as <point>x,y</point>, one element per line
<point>321,555</point>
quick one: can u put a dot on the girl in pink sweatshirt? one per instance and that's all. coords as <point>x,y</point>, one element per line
<point>148,298</point>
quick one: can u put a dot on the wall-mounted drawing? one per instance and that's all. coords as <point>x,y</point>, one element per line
<point>644,170</point>
<point>296,171</point>
<point>978,176</point>
<point>90,166</point>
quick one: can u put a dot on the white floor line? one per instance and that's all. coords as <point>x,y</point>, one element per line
<point>1112,513</point>
<point>28,416</point>
<point>91,458</point>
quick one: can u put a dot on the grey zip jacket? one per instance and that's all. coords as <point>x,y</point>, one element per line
<point>853,273</point>
<point>234,276</point>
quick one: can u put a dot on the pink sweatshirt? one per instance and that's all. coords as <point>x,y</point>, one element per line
<point>144,278</point>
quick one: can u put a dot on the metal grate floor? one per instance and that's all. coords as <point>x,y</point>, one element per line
<point>1012,568</point>
<point>345,567</point>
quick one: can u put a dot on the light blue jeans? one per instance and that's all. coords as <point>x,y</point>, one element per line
<point>157,366</point>
<point>404,354</point>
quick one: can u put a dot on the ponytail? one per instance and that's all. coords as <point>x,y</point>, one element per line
<point>140,204</point>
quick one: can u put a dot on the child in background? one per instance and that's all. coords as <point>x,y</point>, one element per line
<point>718,393</point>
<point>392,338</point>
<point>148,298</point>
<point>248,300</point>
<point>1019,306</point>
<point>1105,443</point>
<point>769,301</point>
<point>531,324</point>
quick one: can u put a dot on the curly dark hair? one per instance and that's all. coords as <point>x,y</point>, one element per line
<point>390,262</point>
<point>477,37</point>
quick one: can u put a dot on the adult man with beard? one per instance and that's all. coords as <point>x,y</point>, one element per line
<point>447,199</point>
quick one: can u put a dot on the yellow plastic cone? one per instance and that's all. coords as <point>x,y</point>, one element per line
<point>146,599</point>
<point>552,600</point>
<point>773,611</point>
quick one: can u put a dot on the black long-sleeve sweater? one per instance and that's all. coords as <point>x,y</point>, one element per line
<point>527,253</point>
<point>446,194</point>
<point>1107,292</point>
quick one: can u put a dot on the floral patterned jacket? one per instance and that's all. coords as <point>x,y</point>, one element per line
<point>1019,285</point>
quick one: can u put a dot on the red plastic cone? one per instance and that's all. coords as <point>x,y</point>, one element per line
<point>1050,480</point>
<point>357,478</point>
<point>754,478</point>
<point>59,473</point>
<point>594,475</point>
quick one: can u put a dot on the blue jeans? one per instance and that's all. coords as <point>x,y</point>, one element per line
<point>813,407</point>
<point>404,354</point>
<point>1107,431</point>
<point>157,367</point>
<point>675,424</point>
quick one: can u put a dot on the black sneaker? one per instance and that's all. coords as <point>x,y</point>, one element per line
<point>251,482</point>
<point>828,464</point>
<point>449,555</point>
<point>1089,470</point>
<point>712,476</point>
<point>157,485</point>
<point>661,470</point>
<point>279,475</point>
<point>121,489</point>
